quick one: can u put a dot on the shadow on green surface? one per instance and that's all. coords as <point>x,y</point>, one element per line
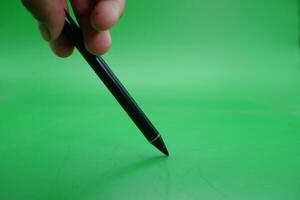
<point>134,167</point>
<point>128,173</point>
<point>117,177</point>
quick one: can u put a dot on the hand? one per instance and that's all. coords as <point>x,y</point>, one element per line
<point>95,17</point>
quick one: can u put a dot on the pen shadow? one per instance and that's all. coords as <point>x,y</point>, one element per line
<point>105,182</point>
<point>132,168</point>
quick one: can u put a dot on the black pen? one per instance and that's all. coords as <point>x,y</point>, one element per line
<point>73,33</point>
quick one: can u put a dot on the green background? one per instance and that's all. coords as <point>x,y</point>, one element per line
<point>220,80</point>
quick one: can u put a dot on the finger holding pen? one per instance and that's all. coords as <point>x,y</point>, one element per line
<point>95,17</point>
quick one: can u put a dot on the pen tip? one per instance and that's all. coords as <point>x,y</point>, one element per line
<point>166,152</point>
<point>160,145</point>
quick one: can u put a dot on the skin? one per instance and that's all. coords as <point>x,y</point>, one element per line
<point>95,18</point>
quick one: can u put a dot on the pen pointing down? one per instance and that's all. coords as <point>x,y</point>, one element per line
<point>74,35</point>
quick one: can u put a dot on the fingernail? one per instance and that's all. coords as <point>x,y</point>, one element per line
<point>44,31</point>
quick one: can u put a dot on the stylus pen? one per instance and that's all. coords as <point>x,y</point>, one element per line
<point>74,35</point>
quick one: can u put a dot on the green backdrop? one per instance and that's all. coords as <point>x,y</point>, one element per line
<point>220,80</point>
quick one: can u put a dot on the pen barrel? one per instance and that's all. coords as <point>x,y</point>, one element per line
<point>74,34</point>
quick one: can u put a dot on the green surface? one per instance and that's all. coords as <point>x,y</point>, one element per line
<point>219,79</point>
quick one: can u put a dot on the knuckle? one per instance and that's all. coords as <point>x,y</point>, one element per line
<point>36,8</point>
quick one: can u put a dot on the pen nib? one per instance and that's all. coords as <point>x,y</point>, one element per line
<point>160,145</point>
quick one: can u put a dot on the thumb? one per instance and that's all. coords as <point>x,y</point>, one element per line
<point>50,16</point>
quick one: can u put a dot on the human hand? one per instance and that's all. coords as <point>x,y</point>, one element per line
<point>95,17</point>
